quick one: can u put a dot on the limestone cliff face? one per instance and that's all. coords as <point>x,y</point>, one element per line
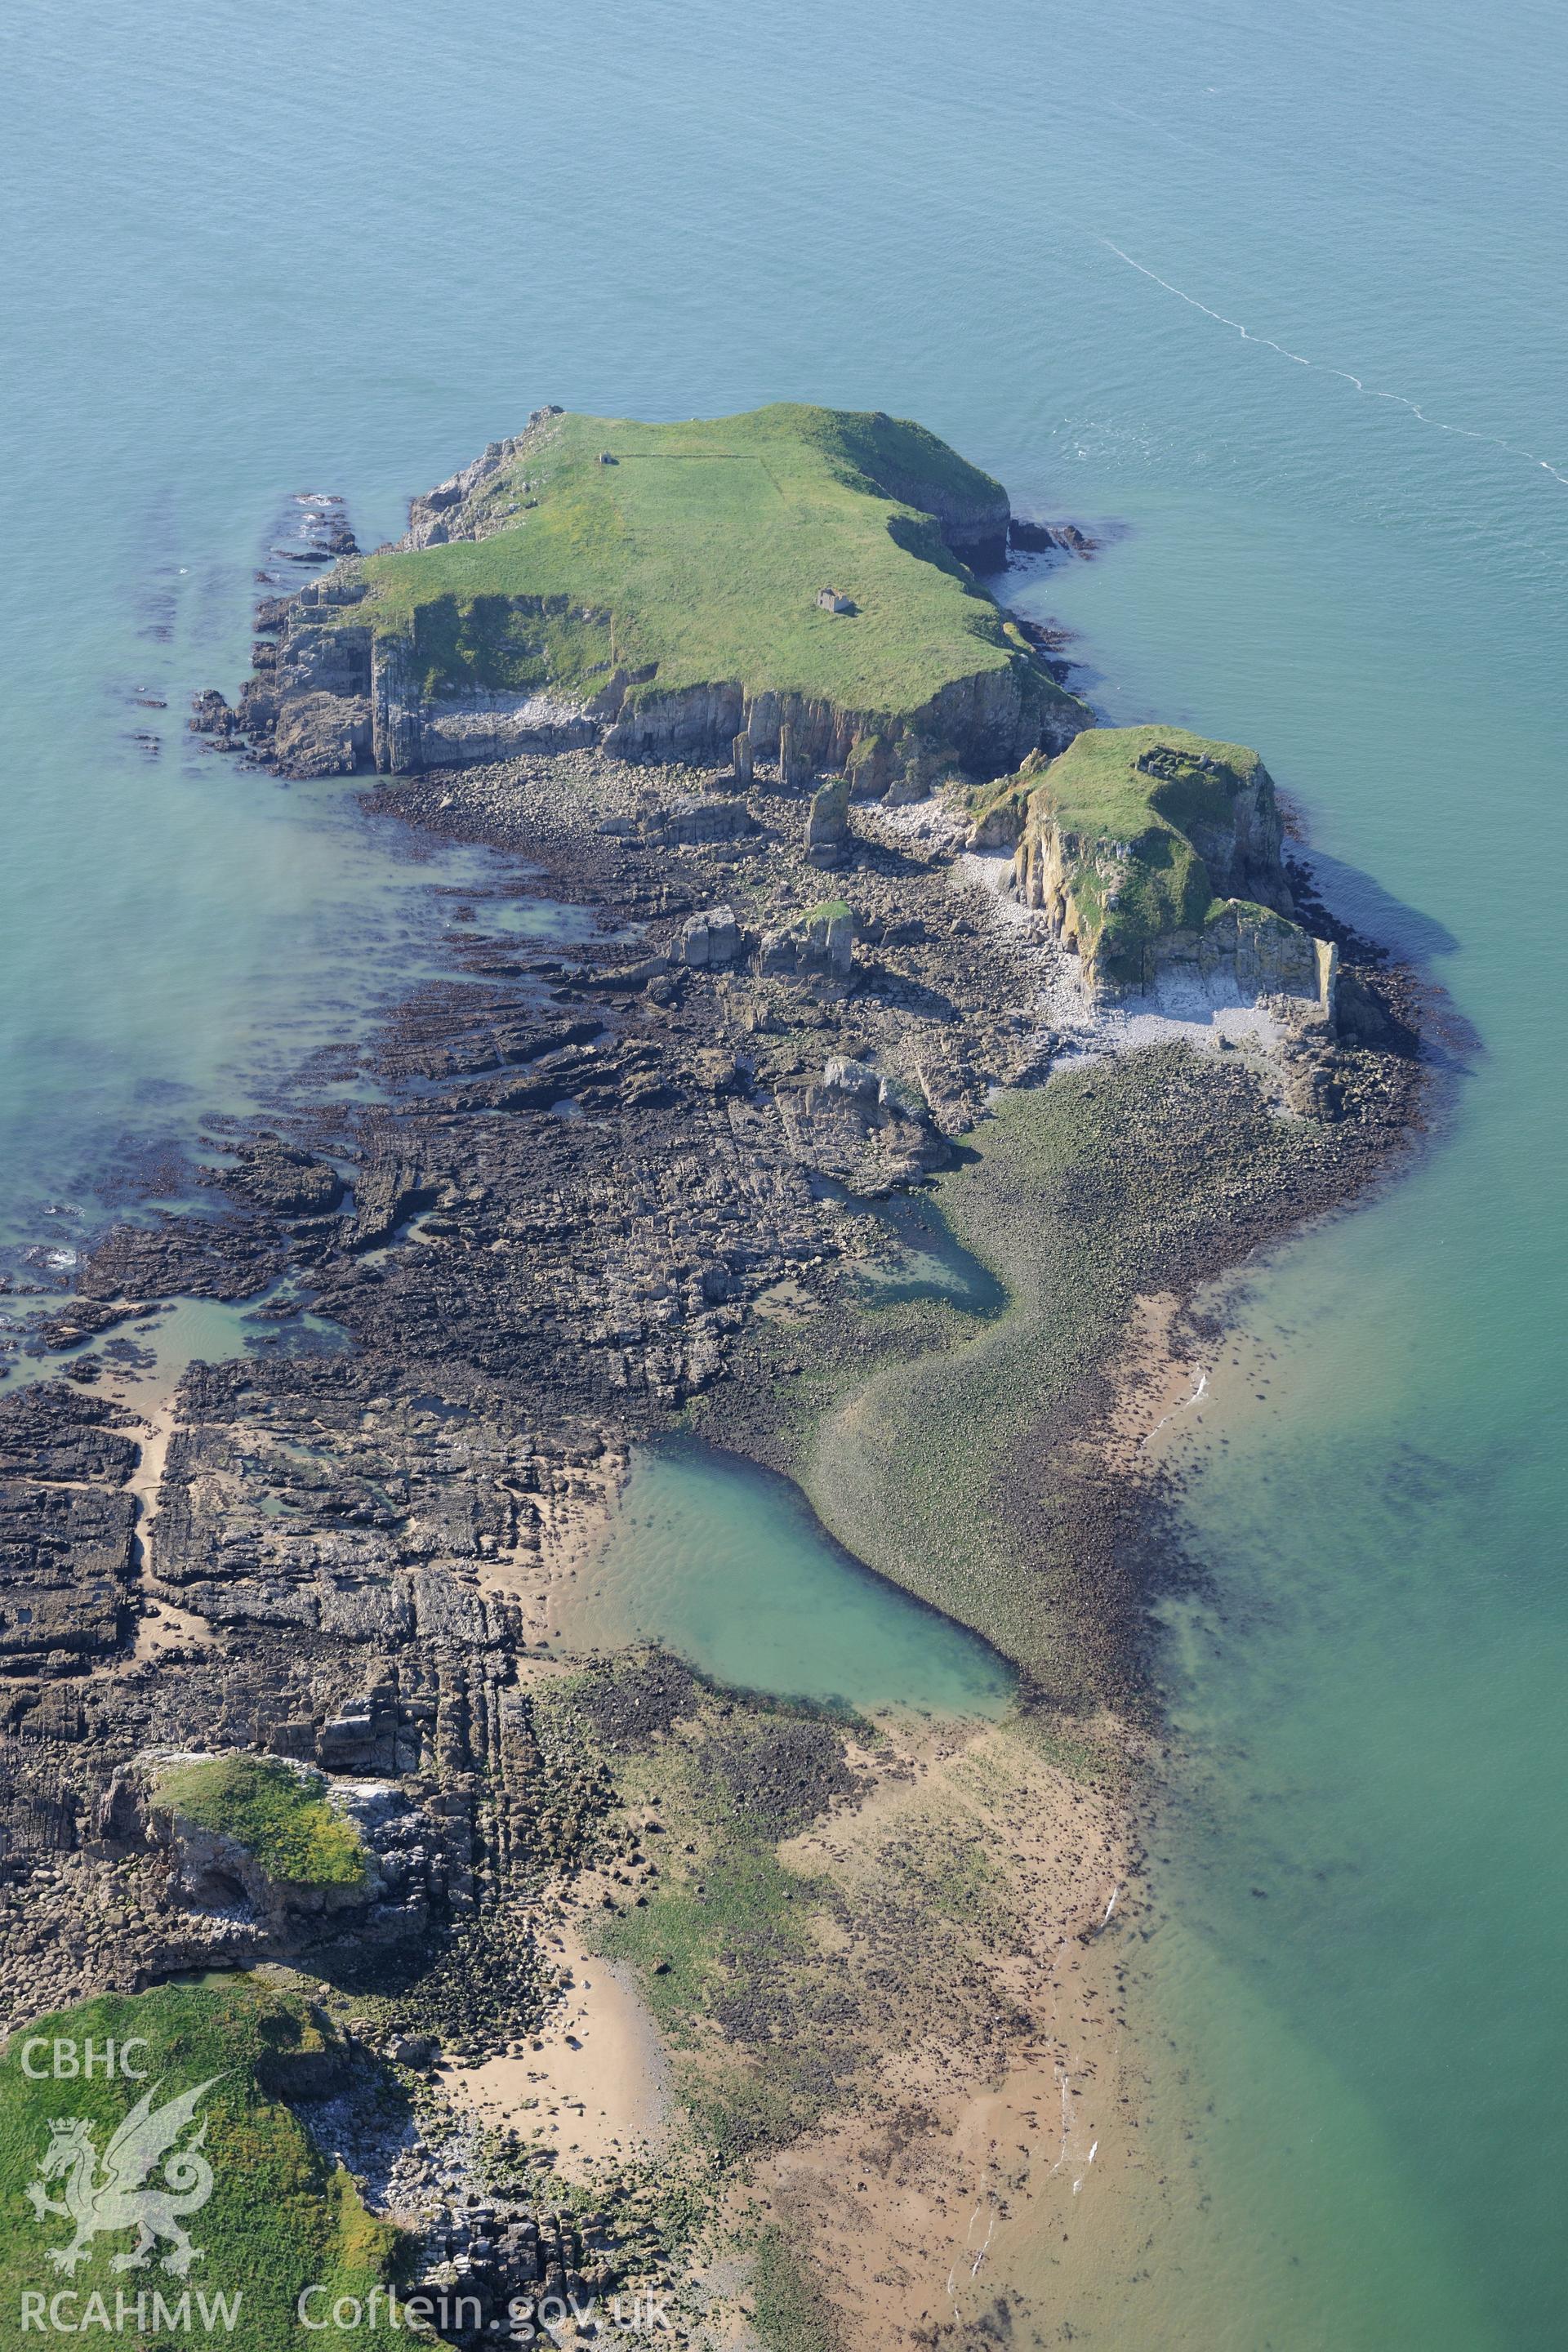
<point>315,702</point>
<point>1161,866</point>
<point>337,698</point>
<point>410,731</point>
<point>985,722</point>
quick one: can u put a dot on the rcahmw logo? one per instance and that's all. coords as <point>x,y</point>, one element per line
<point>151,2179</point>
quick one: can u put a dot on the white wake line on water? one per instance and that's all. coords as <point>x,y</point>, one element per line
<point>1323,367</point>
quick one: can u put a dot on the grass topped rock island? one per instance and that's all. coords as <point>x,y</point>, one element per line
<point>198,2145</point>
<point>818,916</point>
<point>1156,855</point>
<point>701,589</point>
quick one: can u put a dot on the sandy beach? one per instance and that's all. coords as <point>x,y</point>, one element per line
<point>596,2088</point>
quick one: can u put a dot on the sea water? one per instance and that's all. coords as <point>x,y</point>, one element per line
<point>728,1566</point>
<point>1277,291</point>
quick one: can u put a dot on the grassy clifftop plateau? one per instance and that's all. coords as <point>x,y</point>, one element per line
<point>702,549</point>
<point>621,566</point>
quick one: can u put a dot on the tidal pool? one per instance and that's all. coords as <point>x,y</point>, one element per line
<point>145,1359</point>
<point>931,1263</point>
<point>727,1565</point>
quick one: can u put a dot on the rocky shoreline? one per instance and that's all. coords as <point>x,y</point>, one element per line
<point>719,1011</point>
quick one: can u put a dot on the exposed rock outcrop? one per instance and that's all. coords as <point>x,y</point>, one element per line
<point>213,1869</point>
<point>711,941</point>
<point>827,823</point>
<point>866,1131</point>
<point>822,941</point>
<point>1158,857</point>
<point>446,512</point>
<point>281,1177</point>
<point>1030,538</point>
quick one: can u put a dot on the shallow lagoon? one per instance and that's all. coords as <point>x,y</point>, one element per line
<point>727,1565</point>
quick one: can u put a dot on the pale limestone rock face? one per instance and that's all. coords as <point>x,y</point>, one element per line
<point>850,1078</point>
<point>999,828</point>
<point>482,728</point>
<point>1264,954</point>
<point>1248,941</point>
<point>711,941</point>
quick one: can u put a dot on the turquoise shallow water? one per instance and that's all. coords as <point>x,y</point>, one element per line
<point>257,253</point>
<point>729,1568</point>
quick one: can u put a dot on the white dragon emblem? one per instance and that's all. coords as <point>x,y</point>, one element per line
<point>117,2200</point>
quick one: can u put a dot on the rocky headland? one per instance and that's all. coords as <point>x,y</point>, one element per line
<point>862,903</point>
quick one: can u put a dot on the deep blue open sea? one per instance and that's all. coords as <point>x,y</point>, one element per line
<point>1280,290</point>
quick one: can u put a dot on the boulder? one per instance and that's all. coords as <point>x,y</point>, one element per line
<point>856,1078</point>
<point>711,940</point>
<point>831,935</point>
<point>820,942</point>
<point>692,822</point>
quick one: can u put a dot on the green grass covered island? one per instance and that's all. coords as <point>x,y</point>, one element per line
<point>665,588</point>
<point>801,584</point>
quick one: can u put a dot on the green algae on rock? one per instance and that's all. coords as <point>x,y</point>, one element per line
<point>957,1453</point>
